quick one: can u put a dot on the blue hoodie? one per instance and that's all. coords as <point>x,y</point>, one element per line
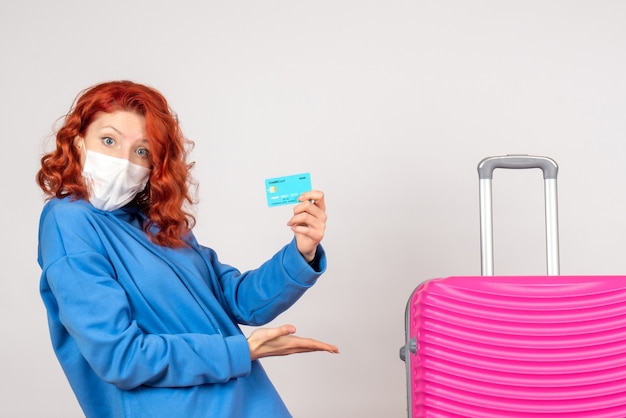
<point>143,330</point>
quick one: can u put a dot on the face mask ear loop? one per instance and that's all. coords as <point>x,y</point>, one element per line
<point>83,153</point>
<point>83,150</point>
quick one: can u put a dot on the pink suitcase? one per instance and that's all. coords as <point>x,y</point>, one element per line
<point>523,346</point>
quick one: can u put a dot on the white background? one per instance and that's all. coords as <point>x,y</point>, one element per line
<point>390,105</point>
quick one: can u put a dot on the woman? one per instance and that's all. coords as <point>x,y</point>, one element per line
<point>143,319</point>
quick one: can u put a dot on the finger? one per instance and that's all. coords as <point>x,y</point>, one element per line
<point>316,196</point>
<point>306,219</point>
<point>327,347</point>
<point>315,236</point>
<point>310,344</point>
<point>285,330</point>
<point>308,207</point>
<point>307,213</point>
<point>269,334</point>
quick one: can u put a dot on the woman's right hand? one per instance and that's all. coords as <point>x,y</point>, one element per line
<point>280,341</point>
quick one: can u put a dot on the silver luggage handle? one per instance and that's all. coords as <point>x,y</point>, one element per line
<point>485,174</point>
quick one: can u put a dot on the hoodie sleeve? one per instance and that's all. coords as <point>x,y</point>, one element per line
<point>86,303</point>
<point>258,296</point>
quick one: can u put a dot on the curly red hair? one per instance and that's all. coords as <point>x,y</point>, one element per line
<point>167,192</point>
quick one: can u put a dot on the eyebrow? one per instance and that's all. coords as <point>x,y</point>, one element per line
<point>112,127</point>
<point>120,132</point>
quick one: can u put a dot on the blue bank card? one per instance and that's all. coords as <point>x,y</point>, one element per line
<point>285,190</point>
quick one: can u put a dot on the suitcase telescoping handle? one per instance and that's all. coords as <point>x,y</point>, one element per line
<point>485,174</point>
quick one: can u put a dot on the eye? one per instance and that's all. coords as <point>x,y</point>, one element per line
<point>108,141</point>
<point>143,152</point>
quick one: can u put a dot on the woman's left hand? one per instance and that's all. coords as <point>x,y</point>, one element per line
<point>309,223</point>
<point>280,341</point>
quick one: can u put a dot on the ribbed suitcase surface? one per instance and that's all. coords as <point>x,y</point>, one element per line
<point>549,346</point>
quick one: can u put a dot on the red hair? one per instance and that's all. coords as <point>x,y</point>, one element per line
<point>167,192</point>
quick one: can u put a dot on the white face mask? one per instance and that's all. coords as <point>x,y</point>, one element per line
<point>112,182</point>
